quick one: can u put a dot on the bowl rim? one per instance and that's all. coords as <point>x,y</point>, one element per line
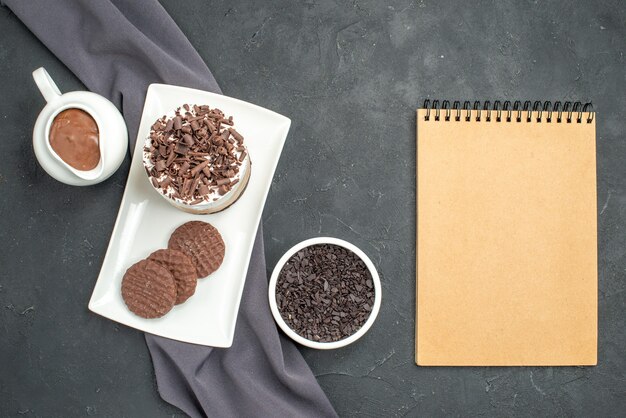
<point>315,344</point>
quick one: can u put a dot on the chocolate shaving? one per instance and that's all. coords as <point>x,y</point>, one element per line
<point>198,154</point>
<point>195,183</point>
<point>178,122</point>
<point>186,187</point>
<point>199,167</point>
<point>203,189</point>
<point>160,165</point>
<point>181,148</point>
<point>183,168</point>
<point>166,182</point>
<point>170,158</point>
<point>188,139</point>
<point>235,134</point>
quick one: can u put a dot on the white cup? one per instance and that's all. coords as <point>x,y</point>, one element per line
<point>112,132</point>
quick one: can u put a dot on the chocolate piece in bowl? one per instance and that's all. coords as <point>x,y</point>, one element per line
<point>148,289</point>
<point>202,242</point>
<point>325,293</point>
<point>182,268</point>
<point>197,160</point>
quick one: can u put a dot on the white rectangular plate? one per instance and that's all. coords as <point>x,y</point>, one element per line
<point>146,220</point>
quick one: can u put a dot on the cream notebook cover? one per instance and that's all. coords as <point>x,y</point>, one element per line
<point>506,235</point>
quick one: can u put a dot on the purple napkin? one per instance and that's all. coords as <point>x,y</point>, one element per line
<point>117,48</point>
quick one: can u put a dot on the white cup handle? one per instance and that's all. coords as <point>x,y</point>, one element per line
<point>46,85</point>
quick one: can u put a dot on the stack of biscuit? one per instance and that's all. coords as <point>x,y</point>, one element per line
<point>168,277</point>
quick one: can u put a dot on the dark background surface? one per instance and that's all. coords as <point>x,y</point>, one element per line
<point>349,75</point>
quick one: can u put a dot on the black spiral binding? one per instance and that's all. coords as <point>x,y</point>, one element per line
<point>505,112</point>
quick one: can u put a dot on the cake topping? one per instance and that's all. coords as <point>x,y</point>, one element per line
<point>195,155</point>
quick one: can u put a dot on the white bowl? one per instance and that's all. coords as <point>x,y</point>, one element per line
<point>315,344</point>
<point>112,133</point>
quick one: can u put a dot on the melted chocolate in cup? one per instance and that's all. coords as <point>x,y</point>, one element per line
<point>74,137</point>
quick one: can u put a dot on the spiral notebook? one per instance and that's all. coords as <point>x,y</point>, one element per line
<point>506,234</point>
